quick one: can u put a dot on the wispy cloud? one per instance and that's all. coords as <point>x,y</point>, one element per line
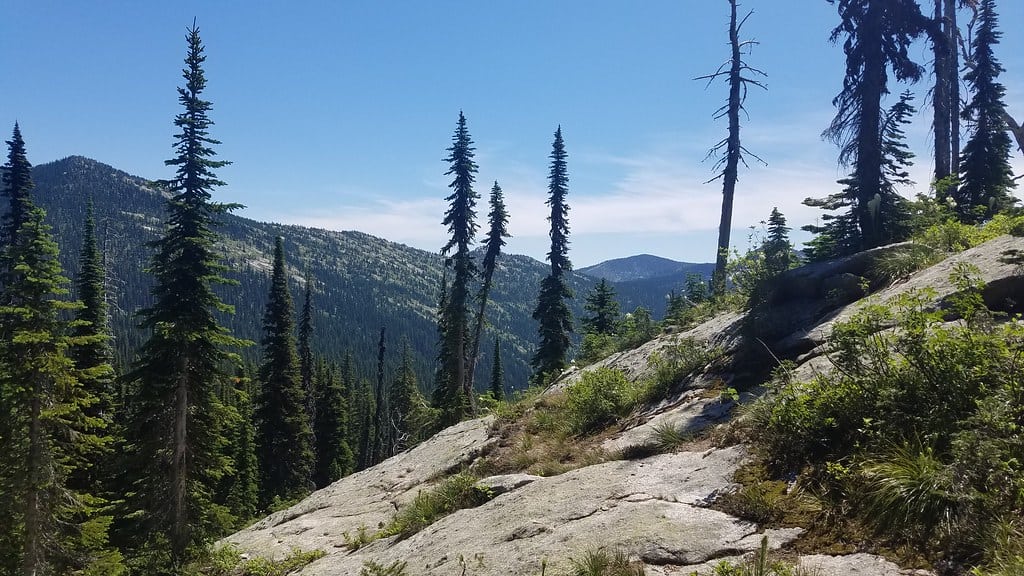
<point>657,200</point>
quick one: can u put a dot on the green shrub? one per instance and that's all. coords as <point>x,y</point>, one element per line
<point>908,489</point>
<point>452,494</point>
<point>598,398</point>
<point>227,561</point>
<point>667,437</point>
<point>761,564</point>
<point>948,396</point>
<point>896,265</point>
<point>371,568</point>
<point>674,363</point>
<point>601,562</point>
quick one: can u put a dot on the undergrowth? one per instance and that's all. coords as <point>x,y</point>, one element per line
<point>454,493</point>
<point>228,561</point>
<point>916,432</point>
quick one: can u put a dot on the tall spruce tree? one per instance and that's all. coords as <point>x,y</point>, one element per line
<point>306,350</point>
<point>460,218</point>
<point>283,429</point>
<point>496,233</point>
<point>175,416</point>
<point>986,174</point>
<point>49,522</point>
<point>552,311</point>
<point>334,457</point>
<point>878,34</point>
<point>497,386</point>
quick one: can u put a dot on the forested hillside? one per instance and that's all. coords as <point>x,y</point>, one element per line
<point>361,282</point>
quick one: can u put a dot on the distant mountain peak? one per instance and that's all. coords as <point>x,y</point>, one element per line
<point>640,267</point>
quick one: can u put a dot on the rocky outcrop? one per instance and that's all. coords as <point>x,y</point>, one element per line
<point>655,508</point>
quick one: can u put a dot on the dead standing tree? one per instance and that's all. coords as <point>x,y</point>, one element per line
<point>739,76</point>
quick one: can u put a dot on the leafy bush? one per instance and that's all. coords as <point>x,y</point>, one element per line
<point>598,398</point>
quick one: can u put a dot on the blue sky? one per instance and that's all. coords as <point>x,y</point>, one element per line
<point>337,114</point>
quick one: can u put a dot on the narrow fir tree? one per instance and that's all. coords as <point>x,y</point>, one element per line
<point>243,487</point>
<point>364,392</point>
<point>986,174</point>
<point>379,443</point>
<point>17,185</point>
<point>334,457</point>
<point>283,429</point>
<point>696,288</point>
<point>48,525</point>
<point>496,234</point>
<point>94,356</point>
<point>306,351</point>
<point>403,399</point>
<point>497,374</point>
<point>175,416</point>
<point>460,220</point>
<point>552,310</point>
<point>604,310</point>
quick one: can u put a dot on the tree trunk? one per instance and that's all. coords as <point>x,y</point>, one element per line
<point>952,32</point>
<point>179,466</point>
<point>732,159</point>
<point>32,562</point>
<point>477,332</point>
<point>941,120</point>
<point>869,138</point>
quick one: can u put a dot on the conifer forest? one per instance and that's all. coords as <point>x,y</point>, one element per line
<point>172,372</point>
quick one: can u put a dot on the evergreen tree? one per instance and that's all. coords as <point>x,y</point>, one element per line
<point>552,310</point>
<point>497,374</point>
<point>175,417</point>
<point>334,457</point>
<point>878,35</point>
<point>49,524</point>
<point>986,174</point>
<point>604,308</point>
<point>93,356</point>
<point>460,220</point>
<point>306,351</point>
<point>696,288</point>
<point>404,397</point>
<point>242,497</point>
<point>17,185</point>
<point>364,392</point>
<point>778,250</point>
<point>379,442</point>
<point>496,234</point>
<point>283,429</point>
<point>840,235</point>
